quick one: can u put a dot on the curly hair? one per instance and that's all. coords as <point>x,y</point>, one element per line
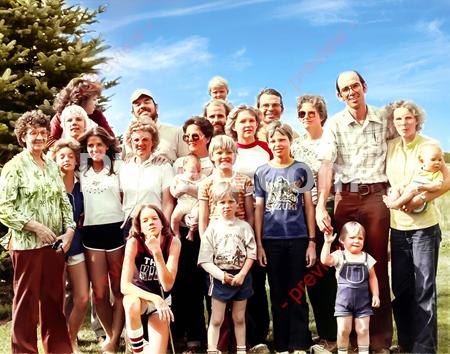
<point>30,119</point>
<point>78,91</point>
<point>318,102</point>
<point>232,117</point>
<point>66,143</point>
<point>111,143</point>
<point>144,125</point>
<point>416,111</point>
<point>136,230</point>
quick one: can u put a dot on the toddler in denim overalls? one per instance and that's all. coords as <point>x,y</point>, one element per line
<point>356,281</point>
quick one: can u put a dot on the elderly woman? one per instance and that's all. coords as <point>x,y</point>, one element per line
<point>312,114</point>
<point>35,207</point>
<point>415,236</point>
<point>79,92</point>
<point>141,180</point>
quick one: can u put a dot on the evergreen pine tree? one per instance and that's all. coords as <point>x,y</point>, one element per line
<point>43,45</point>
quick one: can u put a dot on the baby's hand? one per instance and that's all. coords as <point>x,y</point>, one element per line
<point>375,301</point>
<point>329,238</point>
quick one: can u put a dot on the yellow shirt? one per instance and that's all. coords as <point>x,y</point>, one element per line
<point>401,165</point>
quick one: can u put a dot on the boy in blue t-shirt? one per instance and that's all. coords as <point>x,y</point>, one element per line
<point>285,236</point>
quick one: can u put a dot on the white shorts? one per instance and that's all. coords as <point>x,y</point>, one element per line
<point>149,307</point>
<point>73,260</point>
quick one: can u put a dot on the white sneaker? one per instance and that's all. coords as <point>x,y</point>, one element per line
<point>259,349</point>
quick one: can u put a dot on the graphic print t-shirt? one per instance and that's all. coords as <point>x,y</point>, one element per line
<point>282,189</point>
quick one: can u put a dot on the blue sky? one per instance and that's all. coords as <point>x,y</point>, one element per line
<point>173,48</point>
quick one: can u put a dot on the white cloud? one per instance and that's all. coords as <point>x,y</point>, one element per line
<point>328,12</point>
<point>182,11</point>
<point>239,60</point>
<point>157,56</point>
<point>432,28</point>
<point>320,12</point>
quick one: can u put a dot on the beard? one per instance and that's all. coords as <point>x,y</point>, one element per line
<point>219,129</point>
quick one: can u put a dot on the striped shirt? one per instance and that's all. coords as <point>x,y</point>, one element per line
<point>358,151</point>
<point>240,184</point>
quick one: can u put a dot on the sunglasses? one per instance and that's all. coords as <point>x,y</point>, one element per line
<point>303,114</point>
<point>193,137</point>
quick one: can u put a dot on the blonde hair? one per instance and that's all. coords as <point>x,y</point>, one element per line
<point>145,125</point>
<point>351,228</point>
<point>221,190</point>
<point>221,142</point>
<point>430,146</point>
<point>232,117</point>
<point>218,81</point>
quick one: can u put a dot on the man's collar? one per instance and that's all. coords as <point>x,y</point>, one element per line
<point>371,115</point>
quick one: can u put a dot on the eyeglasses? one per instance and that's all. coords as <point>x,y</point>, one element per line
<point>193,137</point>
<point>354,87</point>
<point>304,114</point>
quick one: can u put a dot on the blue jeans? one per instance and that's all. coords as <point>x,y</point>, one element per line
<point>414,266</point>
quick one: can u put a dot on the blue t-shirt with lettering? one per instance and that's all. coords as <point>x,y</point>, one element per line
<point>282,189</point>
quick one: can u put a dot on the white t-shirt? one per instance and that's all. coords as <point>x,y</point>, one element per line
<point>250,156</point>
<point>143,184</point>
<point>101,195</point>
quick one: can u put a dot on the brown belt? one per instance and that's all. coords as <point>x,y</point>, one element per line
<point>360,188</point>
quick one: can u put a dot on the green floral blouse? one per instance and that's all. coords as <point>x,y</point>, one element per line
<point>30,193</point>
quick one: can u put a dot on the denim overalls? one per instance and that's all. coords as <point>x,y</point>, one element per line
<point>353,295</point>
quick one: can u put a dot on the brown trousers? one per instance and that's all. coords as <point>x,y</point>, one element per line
<point>38,296</point>
<point>370,211</point>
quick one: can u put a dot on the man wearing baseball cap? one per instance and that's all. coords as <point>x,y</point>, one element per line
<point>171,144</point>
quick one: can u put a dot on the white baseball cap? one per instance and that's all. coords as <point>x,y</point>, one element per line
<point>139,92</point>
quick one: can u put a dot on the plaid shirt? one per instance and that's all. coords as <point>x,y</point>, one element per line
<point>358,152</point>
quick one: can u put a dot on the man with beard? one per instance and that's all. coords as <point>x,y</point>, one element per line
<point>216,111</point>
<point>353,149</point>
<point>171,144</point>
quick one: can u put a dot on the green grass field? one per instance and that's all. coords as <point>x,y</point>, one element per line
<point>89,345</point>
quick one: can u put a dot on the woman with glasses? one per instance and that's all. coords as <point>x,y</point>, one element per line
<point>312,114</point>
<point>141,179</point>
<point>188,290</point>
<point>35,207</point>
<point>79,92</point>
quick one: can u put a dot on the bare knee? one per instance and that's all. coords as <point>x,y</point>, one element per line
<point>362,329</point>
<point>216,319</point>
<point>239,318</point>
<point>344,331</point>
<point>132,305</point>
<point>81,302</point>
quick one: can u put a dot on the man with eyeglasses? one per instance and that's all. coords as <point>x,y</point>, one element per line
<point>353,148</point>
<point>270,102</point>
<point>171,144</point>
<point>216,111</point>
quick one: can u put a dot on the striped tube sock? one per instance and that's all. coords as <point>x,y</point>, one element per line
<point>363,349</point>
<point>342,350</point>
<point>241,349</point>
<point>136,338</point>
